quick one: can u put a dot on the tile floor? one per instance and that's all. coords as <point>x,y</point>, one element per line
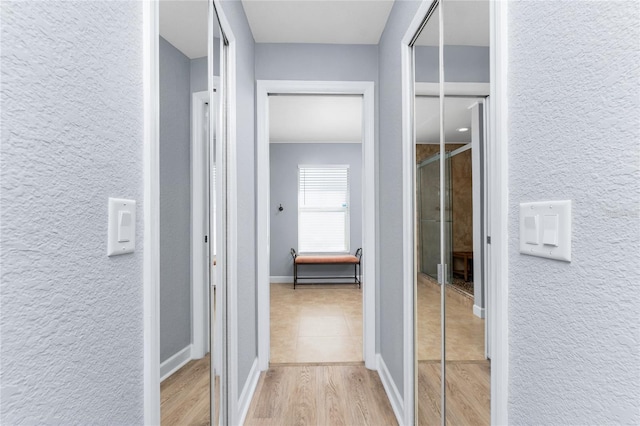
<point>316,324</point>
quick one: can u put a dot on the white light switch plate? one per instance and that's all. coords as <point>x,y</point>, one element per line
<point>552,221</point>
<point>121,234</point>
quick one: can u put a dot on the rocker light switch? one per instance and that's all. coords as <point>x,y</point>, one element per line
<point>531,229</point>
<point>121,238</point>
<point>124,226</point>
<point>550,230</point>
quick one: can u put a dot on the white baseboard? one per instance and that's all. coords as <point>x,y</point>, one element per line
<point>281,279</point>
<point>175,363</point>
<point>289,280</point>
<point>392,391</point>
<point>478,311</point>
<point>247,392</point>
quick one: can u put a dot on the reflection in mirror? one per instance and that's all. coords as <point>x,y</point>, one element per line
<point>466,60</point>
<point>428,298</point>
<point>190,354</point>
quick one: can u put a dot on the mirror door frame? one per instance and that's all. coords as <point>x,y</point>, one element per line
<point>498,204</point>
<point>227,254</point>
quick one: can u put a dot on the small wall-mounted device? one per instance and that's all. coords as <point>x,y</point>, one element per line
<point>121,234</point>
<point>545,229</point>
<point>280,208</point>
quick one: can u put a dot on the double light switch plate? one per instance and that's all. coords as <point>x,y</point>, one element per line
<point>545,229</point>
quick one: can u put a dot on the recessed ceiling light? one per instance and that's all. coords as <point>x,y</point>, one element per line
<point>462,129</point>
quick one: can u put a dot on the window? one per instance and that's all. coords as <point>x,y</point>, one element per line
<point>323,209</point>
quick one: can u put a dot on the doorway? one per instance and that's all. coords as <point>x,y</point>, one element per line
<point>264,206</point>
<point>316,210</point>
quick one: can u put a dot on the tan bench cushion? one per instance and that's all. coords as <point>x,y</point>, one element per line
<point>347,258</point>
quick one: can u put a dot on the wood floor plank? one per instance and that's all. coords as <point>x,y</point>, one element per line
<point>323,395</point>
<point>185,395</point>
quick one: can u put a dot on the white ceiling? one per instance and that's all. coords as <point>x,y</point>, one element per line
<point>315,118</point>
<point>313,21</point>
<point>183,23</point>
<point>466,23</point>
<point>456,115</point>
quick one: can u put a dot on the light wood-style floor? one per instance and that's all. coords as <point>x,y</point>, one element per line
<point>184,396</point>
<point>468,393</point>
<point>320,395</point>
<point>468,374</point>
<point>316,323</point>
<point>464,333</point>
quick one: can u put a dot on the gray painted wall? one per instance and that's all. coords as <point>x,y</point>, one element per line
<point>287,61</point>
<point>175,201</point>
<point>574,334</point>
<point>245,132</point>
<point>285,158</point>
<point>72,135</point>
<point>461,64</point>
<point>198,74</point>
<point>390,189</point>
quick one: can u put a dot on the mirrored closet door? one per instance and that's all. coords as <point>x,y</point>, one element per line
<point>451,72</point>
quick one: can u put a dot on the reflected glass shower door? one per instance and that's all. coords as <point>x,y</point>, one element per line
<point>429,188</point>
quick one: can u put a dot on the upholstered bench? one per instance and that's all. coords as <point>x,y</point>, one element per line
<point>324,259</point>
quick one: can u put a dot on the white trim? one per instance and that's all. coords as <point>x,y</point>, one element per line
<point>199,227</point>
<point>175,362</point>
<point>248,390</point>
<point>409,259</point>
<point>453,89</point>
<point>281,279</point>
<point>288,279</point>
<point>151,209</point>
<point>478,311</point>
<point>498,295</point>
<point>391,389</point>
<point>264,87</point>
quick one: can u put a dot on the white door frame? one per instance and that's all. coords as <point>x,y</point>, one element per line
<point>497,296</point>
<point>151,211</point>
<point>200,268</point>
<point>366,89</point>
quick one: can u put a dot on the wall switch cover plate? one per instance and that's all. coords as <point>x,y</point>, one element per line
<point>545,229</point>
<point>121,234</point>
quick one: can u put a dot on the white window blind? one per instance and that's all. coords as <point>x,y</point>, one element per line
<point>323,209</point>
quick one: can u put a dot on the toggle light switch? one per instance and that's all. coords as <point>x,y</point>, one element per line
<point>121,238</point>
<point>550,230</point>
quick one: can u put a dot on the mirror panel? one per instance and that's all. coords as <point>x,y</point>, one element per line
<point>216,218</point>
<point>465,60</point>
<point>428,296</point>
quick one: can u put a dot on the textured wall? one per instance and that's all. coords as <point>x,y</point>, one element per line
<point>246,142</point>
<point>574,134</point>
<point>285,158</point>
<point>72,136</point>
<point>390,189</point>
